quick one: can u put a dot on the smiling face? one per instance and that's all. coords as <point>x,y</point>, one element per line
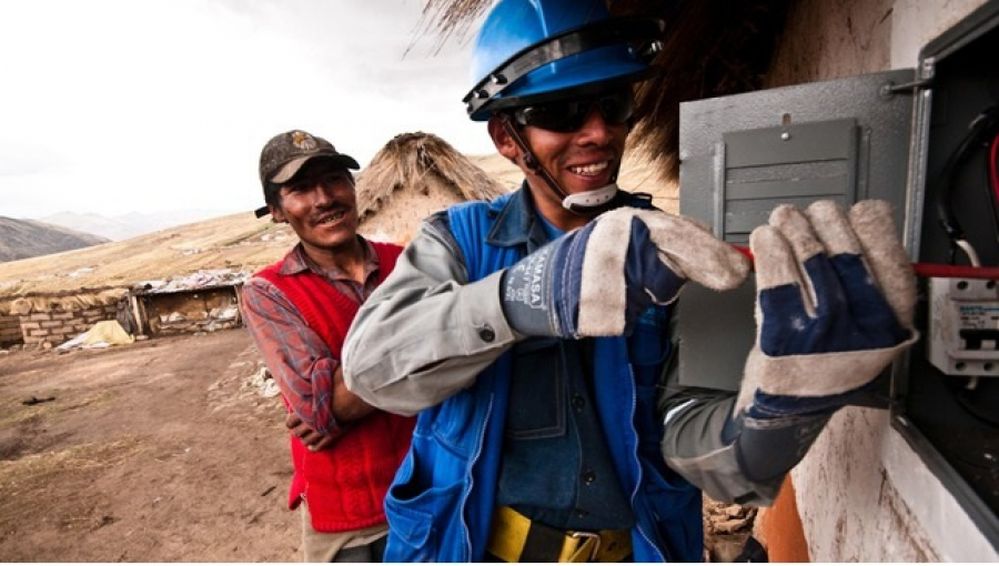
<point>583,160</point>
<point>320,204</point>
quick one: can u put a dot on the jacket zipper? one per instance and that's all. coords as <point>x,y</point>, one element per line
<point>471,479</point>
<point>637,462</point>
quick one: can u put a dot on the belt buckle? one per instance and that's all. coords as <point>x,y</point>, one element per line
<point>586,536</point>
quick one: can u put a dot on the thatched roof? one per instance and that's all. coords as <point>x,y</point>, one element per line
<point>415,159</point>
<point>64,301</point>
<point>712,48</point>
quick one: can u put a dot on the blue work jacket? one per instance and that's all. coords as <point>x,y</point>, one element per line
<point>440,505</point>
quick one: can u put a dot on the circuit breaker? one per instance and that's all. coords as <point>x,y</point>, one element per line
<point>963,337</point>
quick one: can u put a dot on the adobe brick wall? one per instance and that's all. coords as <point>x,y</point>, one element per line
<point>57,326</point>
<point>10,330</point>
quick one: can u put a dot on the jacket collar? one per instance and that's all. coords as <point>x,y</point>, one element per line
<point>517,221</point>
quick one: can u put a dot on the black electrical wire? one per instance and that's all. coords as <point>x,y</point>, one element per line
<point>980,131</point>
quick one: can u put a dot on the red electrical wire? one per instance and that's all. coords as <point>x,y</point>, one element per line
<point>955,271</point>
<point>928,269</point>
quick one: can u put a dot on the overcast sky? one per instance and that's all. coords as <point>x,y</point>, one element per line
<point>113,106</point>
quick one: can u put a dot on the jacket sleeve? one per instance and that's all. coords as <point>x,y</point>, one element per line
<point>425,333</point>
<point>695,444</point>
<point>299,360</point>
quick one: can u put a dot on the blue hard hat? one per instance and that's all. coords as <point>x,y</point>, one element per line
<point>528,51</point>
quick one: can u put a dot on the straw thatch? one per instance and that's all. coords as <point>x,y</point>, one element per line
<point>712,48</point>
<point>413,176</point>
<point>73,300</point>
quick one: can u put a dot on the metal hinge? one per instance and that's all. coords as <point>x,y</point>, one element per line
<point>890,89</point>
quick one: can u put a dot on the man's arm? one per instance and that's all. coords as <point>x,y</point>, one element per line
<point>835,302</point>
<point>425,333</point>
<point>346,407</point>
<point>305,370</point>
<point>694,443</point>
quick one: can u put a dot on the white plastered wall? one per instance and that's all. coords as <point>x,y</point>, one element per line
<point>862,493</point>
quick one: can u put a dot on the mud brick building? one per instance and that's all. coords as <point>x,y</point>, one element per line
<point>57,326</point>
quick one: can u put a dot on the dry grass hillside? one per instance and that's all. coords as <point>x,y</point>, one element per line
<point>237,241</point>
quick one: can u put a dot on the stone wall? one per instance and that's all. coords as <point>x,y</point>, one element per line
<point>10,331</point>
<point>48,329</point>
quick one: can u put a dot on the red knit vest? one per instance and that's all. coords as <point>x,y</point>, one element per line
<point>346,484</point>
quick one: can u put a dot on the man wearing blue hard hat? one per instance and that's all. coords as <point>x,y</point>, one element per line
<point>531,334</point>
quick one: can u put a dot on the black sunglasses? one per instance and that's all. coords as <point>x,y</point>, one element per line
<point>566,116</point>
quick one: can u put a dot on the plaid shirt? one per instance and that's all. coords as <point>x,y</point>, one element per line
<point>299,360</point>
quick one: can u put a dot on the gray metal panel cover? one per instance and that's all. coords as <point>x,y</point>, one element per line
<point>795,163</point>
<point>742,155</point>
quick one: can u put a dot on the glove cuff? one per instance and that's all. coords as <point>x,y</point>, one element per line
<point>819,375</point>
<point>602,287</point>
<point>526,299</point>
<point>767,449</point>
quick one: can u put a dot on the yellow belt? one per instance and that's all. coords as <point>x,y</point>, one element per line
<point>509,536</point>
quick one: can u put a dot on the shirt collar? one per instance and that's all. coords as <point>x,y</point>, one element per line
<point>516,221</point>
<point>296,261</point>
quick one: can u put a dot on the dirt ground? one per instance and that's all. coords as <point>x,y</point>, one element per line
<point>159,451</point>
<point>165,450</point>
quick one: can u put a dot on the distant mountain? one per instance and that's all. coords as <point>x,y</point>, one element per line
<point>21,239</point>
<point>109,228</point>
<point>125,226</point>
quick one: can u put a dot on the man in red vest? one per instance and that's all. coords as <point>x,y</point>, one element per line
<point>344,451</point>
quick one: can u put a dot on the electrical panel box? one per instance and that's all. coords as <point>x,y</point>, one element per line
<point>901,136</point>
<point>742,155</point>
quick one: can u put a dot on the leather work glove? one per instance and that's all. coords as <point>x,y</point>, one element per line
<point>597,280</point>
<point>835,301</point>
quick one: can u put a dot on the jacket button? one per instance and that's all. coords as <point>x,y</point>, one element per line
<point>487,334</point>
<point>589,477</point>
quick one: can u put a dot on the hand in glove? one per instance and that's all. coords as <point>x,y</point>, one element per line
<point>595,281</point>
<point>835,299</point>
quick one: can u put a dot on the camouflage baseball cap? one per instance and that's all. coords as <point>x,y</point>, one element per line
<point>285,154</point>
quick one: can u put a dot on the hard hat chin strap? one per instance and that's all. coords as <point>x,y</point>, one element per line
<point>595,200</point>
<point>588,204</point>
